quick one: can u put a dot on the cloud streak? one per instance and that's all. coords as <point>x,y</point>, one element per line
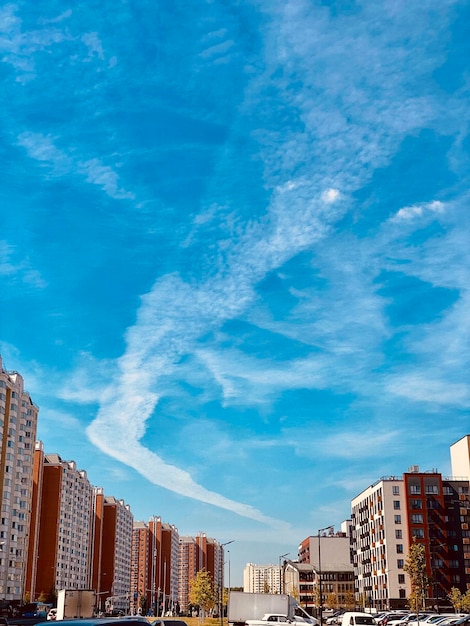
<point>311,172</point>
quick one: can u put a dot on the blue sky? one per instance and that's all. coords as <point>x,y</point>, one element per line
<point>234,250</point>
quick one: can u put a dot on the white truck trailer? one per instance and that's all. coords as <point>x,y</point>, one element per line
<point>74,603</point>
<point>244,606</point>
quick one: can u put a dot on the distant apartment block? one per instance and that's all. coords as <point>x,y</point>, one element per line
<point>18,423</point>
<point>324,564</point>
<point>61,536</point>
<point>114,548</point>
<point>155,561</point>
<point>395,511</point>
<point>195,554</point>
<point>262,578</point>
<point>140,570</point>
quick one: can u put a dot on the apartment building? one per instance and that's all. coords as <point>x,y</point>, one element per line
<point>61,534</point>
<point>324,574</point>
<point>262,578</point>
<point>195,554</point>
<point>140,572</point>
<point>114,549</point>
<point>380,543</point>
<point>397,510</point>
<point>18,424</point>
<point>155,567</point>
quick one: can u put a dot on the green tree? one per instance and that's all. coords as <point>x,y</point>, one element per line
<point>202,592</point>
<point>415,567</point>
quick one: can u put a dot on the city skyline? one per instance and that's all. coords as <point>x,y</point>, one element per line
<point>234,252</point>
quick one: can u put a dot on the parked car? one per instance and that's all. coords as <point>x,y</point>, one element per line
<point>168,622</point>
<point>432,618</point>
<point>463,621</point>
<point>335,618</point>
<point>126,620</point>
<point>356,618</point>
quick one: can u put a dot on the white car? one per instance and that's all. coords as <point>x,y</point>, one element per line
<point>52,615</point>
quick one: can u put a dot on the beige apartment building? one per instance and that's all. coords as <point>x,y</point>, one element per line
<point>389,515</point>
<point>324,570</point>
<point>262,578</point>
<point>18,424</point>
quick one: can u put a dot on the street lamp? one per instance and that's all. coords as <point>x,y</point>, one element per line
<point>320,531</point>
<point>280,579</point>
<point>222,582</point>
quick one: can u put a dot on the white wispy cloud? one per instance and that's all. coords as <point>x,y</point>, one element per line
<point>311,175</point>
<point>14,268</point>
<point>60,163</point>
<point>418,210</point>
<point>425,388</point>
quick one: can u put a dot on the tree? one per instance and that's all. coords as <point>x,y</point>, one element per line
<point>331,601</point>
<point>415,567</point>
<point>316,595</point>
<point>349,600</point>
<point>143,604</point>
<point>466,602</point>
<point>460,601</point>
<point>456,599</point>
<point>202,592</point>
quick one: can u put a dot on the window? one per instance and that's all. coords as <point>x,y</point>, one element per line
<point>396,504</point>
<point>415,489</point>
<point>396,490</point>
<point>402,593</point>
<point>416,518</point>
<point>398,533</point>
<point>418,533</point>
<point>432,489</point>
<point>416,504</point>
<point>401,579</point>
<point>399,548</point>
<point>400,563</point>
<point>397,519</point>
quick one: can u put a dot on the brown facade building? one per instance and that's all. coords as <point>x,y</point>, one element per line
<point>61,533</point>
<point>155,559</point>
<point>115,554</point>
<point>195,554</point>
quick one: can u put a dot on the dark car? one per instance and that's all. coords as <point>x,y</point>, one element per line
<point>127,620</point>
<point>168,622</point>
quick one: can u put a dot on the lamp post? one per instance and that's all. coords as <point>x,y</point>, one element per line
<point>280,578</point>
<point>222,545</point>
<point>320,531</point>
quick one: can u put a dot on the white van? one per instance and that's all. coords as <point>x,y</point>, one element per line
<point>353,618</point>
